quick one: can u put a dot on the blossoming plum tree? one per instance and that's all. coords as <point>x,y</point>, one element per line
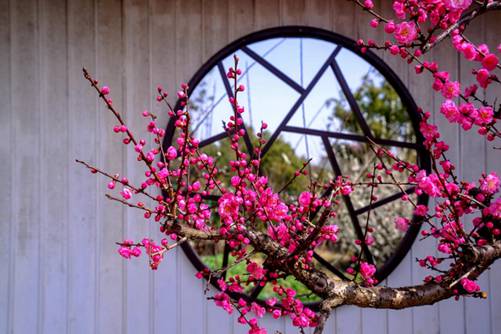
<point>254,218</point>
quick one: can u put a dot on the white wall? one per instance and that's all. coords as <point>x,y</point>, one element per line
<point>60,271</point>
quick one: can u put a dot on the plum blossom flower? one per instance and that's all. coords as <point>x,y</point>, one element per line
<point>469,285</point>
<point>398,8</point>
<point>235,180</point>
<point>163,173</point>
<point>389,27</point>
<point>405,32</point>
<point>171,153</point>
<point>228,207</point>
<point>223,300</point>
<point>346,190</point>
<point>490,61</point>
<point>421,210</point>
<point>444,248</point>
<point>402,224</point>
<point>374,23</point>
<point>368,4</point>
<point>258,310</point>
<point>301,320</point>
<point>450,110</point>
<point>126,193</point>
<point>304,198</point>
<point>276,210</point>
<point>271,301</point>
<point>457,4</point>
<point>125,252</point>
<point>483,78</point>
<point>329,232</point>
<point>280,233</point>
<point>105,90</point>
<point>428,183</point>
<point>255,270</point>
<point>451,89</point>
<point>490,183</point>
<point>494,209</point>
<point>469,51</point>
<point>367,271</point>
<point>257,330</point>
<point>485,115</point>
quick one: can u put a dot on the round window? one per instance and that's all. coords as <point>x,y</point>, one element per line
<point>322,100</point>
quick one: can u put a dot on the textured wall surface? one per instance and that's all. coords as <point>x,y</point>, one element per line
<point>60,271</point>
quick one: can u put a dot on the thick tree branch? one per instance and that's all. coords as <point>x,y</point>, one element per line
<point>191,233</point>
<point>425,294</point>
<point>350,293</point>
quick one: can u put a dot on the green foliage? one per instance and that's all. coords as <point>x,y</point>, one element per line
<point>381,107</point>
<point>215,262</point>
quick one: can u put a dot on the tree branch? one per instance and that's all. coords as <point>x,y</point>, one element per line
<point>466,19</point>
<point>350,293</point>
<point>424,294</point>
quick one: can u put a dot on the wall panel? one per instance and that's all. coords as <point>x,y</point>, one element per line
<point>25,282</point>
<point>6,184</point>
<point>111,221</point>
<point>83,127</point>
<point>54,166</point>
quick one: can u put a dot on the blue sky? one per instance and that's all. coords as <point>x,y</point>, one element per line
<point>268,98</point>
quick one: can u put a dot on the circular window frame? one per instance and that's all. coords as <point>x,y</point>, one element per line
<point>423,159</point>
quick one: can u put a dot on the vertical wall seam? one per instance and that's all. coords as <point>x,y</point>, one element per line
<point>67,135</point>
<point>13,222</point>
<point>204,57</point>
<point>97,157</point>
<point>41,183</point>
<point>280,13</point>
<point>151,304</point>
<point>179,282</point>
<point>486,167</point>
<point>125,217</point>
<point>253,15</point>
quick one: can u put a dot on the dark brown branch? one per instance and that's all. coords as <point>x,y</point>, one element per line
<point>424,294</point>
<point>350,293</point>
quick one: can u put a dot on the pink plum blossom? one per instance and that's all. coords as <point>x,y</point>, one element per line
<point>405,32</point>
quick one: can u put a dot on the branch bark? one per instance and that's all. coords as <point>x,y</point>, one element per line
<point>337,293</point>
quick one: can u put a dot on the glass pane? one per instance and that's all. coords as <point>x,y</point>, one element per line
<point>267,98</point>
<point>325,108</point>
<point>377,99</point>
<point>386,236</point>
<point>209,106</point>
<point>288,154</point>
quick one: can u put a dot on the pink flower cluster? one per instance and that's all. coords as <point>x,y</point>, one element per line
<point>411,43</point>
<point>368,271</point>
<point>155,252</point>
